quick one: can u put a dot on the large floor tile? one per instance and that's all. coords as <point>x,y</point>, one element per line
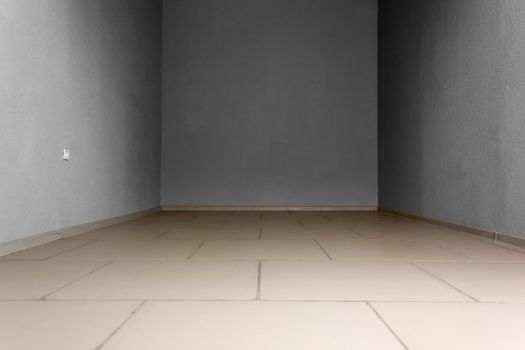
<point>483,251</point>
<point>132,250</point>
<point>456,326</point>
<point>286,232</point>
<point>232,280</point>
<point>49,325</point>
<point>47,250</point>
<point>122,232</point>
<point>315,220</point>
<point>337,280</point>
<point>260,250</point>
<point>193,224</point>
<point>331,232</point>
<point>299,232</point>
<point>253,325</point>
<point>360,249</point>
<point>212,233</point>
<point>498,282</point>
<point>35,279</point>
<point>412,233</point>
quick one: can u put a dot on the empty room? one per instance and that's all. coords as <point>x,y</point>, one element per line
<point>262,174</point>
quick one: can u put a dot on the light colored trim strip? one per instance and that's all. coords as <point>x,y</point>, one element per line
<point>46,237</point>
<point>496,236</point>
<point>264,208</point>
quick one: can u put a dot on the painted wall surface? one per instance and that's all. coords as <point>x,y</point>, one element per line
<point>83,75</point>
<point>452,111</point>
<point>269,102</point>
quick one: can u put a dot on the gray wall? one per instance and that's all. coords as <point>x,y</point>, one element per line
<point>269,102</point>
<point>452,111</point>
<point>82,75</point>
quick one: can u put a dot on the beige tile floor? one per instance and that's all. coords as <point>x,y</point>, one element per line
<point>272,280</point>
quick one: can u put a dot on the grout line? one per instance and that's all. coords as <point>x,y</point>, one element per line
<point>358,234</point>
<point>324,250</point>
<point>260,226</point>
<point>443,281</point>
<point>115,331</point>
<point>378,315</point>
<point>326,218</point>
<point>76,280</point>
<point>51,256</point>
<point>71,249</point>
<point>196,250</point>
<point>160,235</point>
<point>258,295</point>
<point>500,245</point>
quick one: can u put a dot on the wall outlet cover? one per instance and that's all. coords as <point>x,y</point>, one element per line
<point>65,154</point>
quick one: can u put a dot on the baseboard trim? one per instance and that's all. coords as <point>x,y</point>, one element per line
<point>46,237</point>
<point>493,235</point>
<point>264,208</point>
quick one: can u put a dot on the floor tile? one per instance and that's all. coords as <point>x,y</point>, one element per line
<point>121,232</point>
<point>132,250</point>
<point>35,279</point>
<point>253,325</point>
<point>49,325</point>
<point>193,224</point>
<point>337,280</point>
<point>293,232</point>
<point>216,233</point>
<point>232,280</point>
<point>360,249</point>
<point>412,233</point>
<point>299,232</point>
<point>331,233</point>
<point>260,250</point>
<point>333,224</point>
<point>497,282</point>
<point>317,220</point>
<point>456,326</point>
<point>47,250</point>
<point>483,251</point>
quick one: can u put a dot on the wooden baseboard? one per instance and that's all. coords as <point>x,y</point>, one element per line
<point>264,208</point>
<point>46,237</point>
<point>495,236</point>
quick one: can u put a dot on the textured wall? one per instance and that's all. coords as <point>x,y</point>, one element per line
<point>82,75</point>
<point>269,102</point>
<point>452,111</point>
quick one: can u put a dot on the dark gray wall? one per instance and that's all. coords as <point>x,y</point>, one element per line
<point>452,111</point>
<point>269,102</point>
<point>84,75</point>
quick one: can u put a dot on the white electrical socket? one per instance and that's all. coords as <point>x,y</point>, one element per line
<point>65,154</point>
